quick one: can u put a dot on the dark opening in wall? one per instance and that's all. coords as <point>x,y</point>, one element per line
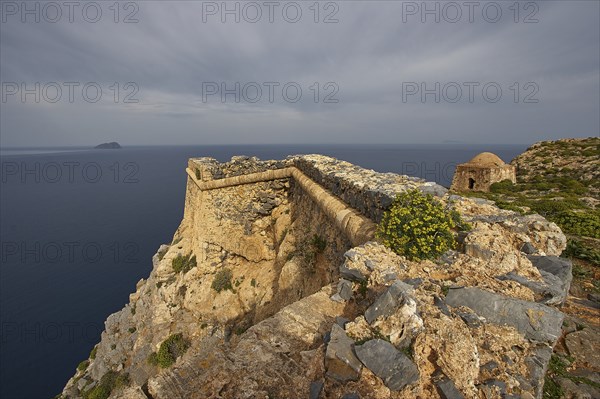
<point>471,183</point>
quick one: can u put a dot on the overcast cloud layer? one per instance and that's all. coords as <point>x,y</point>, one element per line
<point>370,61</point>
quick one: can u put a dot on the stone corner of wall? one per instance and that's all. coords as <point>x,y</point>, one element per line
<point>365,190</point>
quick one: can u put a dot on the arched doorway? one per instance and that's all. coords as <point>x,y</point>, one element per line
<point>471,183</point>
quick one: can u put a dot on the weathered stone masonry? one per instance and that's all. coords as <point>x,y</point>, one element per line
<point>358,228</point>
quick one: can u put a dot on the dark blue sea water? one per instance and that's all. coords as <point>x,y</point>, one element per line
<point>78,230</point>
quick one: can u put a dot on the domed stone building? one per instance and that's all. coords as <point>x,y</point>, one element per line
<point>481,172</point>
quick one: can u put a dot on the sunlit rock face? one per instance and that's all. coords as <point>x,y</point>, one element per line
<point>290,296</point>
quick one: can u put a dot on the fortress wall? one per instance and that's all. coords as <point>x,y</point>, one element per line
<point>356,227</point>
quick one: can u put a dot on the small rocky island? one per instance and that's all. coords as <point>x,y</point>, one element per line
<point>113,145</point>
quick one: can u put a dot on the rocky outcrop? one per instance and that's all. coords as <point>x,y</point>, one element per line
<point>573,158</point>
<point>113,145</point>
<point>291,297</point>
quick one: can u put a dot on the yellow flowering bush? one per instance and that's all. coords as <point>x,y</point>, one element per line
<point>417,226</point>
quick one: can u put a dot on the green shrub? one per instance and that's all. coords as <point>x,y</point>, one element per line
<point>558,368</point>
<point>184,263</point>
<point>551,208</point>
<point>222,280</point>
<point>505,186</point>
<point>578,249</point>
<point>93,352</point>
<point>509,206</point>
<point>98,392</point>
<point>308,249</point>
<point>83,365</point>
<point>170,349</point>
<point>586,224</point>
<point>198,174</point>
<point>417,226</point>
<point>109,382</point>
<point>122,380</point>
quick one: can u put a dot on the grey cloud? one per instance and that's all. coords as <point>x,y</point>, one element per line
<point>369,53</point>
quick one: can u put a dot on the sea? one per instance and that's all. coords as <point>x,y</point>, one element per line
<point>79,227</point>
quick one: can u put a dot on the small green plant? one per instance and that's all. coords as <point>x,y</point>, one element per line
<point>170,349</point>
<point>222,280</point>
<point>93,352</point>
<point>113,347</point>
<point>184,263</point>
<point>198,174</point>
<point>417,226</point>
<point>580,272</point>
<point>363,288</point>
<point>558,368</point>
<point>132,330</point>
<point>408,351</point>
<point>318,243</point>
<point>253,282</point>
<point>445,289</point>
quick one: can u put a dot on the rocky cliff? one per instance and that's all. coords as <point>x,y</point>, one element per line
<point>274,287</point>
<point>561,181</point>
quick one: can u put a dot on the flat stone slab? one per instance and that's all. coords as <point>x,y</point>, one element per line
<point>551,290</point>
<point>351,274</point>
<point>448,390</point>
<point>344,291</point>
<point>535,321</point>
<point>537,365</point>
<point>560,267</point>
<point>315,389</point>
<point>387,303</point>
<point>392,366</point>
<point>340,360</point>
<point>585,345</point>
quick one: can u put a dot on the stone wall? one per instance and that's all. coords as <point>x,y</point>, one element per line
<point>367,191</point>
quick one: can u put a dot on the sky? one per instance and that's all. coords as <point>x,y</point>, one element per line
<point>271,72</point>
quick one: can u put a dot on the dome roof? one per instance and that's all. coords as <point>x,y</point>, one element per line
<point>486,159</point>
